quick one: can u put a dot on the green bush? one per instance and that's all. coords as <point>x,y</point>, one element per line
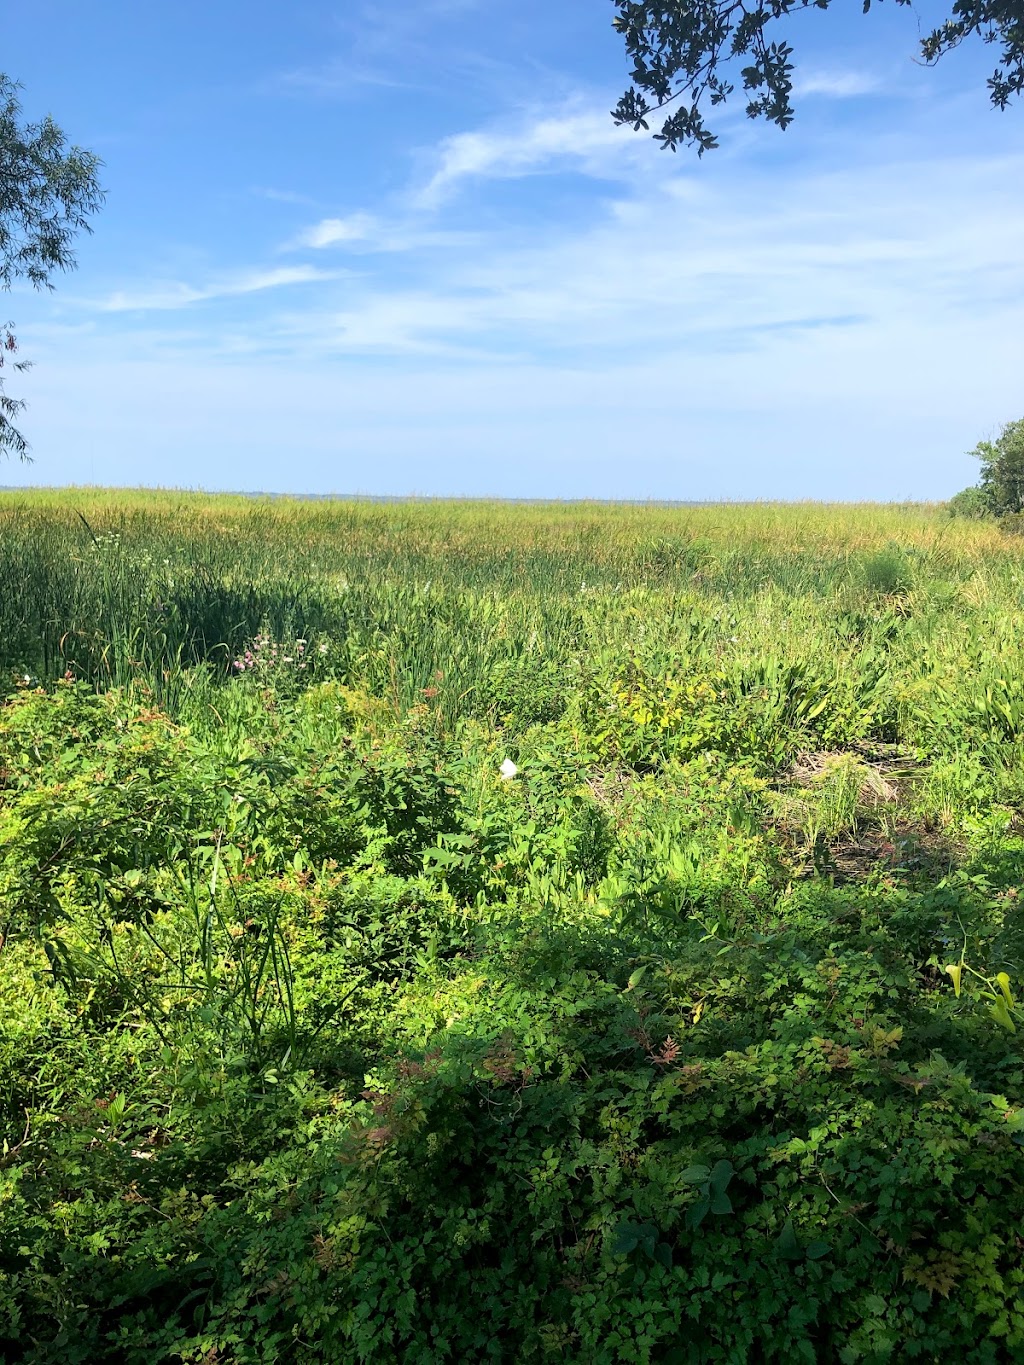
<point>887,572</point>
<point>970,502</point>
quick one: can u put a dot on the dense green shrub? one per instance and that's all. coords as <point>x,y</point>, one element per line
<point>969,502</point>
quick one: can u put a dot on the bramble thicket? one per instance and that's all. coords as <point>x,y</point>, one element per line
<point>466,932</point>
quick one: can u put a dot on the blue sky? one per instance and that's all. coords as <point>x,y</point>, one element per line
<point>398,247</point>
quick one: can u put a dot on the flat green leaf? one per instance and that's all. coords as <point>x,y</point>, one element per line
<point>1002,1015</point>
<point>720,1202</point>
<point>443,857</point>
<point>787,1244</point>
<point>697,1212</point>
<point>721,1173</point>
<point>625,1238</point>
<point>695,1175</point>
<point>1003,982</point>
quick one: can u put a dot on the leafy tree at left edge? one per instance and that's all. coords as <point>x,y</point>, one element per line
<point>48,191</point>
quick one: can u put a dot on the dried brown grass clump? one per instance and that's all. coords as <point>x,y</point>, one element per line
<point>817,768</point>
<point>827,795</point>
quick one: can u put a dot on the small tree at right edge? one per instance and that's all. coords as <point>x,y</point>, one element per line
<point>1002,470</point>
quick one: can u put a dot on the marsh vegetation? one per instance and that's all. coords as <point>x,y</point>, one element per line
<point>451,932</point>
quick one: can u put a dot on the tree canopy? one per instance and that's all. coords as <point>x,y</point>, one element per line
<point>687,53</point>
<point>48,190</point>
<point>1002,470</point>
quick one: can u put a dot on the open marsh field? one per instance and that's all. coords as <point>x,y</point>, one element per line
<point>448,932</point>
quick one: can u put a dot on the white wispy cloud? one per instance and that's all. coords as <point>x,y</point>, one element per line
<point>174,294</point>
<point>283,196</point>
<point>837,84</point>
<point>369,234</point>
<point>341,78</point>
<point>583,139</point>
<point>358,227</point>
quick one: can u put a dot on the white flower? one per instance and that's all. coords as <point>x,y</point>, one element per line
<point>508,769</point>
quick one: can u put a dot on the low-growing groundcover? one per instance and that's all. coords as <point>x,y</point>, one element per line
<point>696,1039</point>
